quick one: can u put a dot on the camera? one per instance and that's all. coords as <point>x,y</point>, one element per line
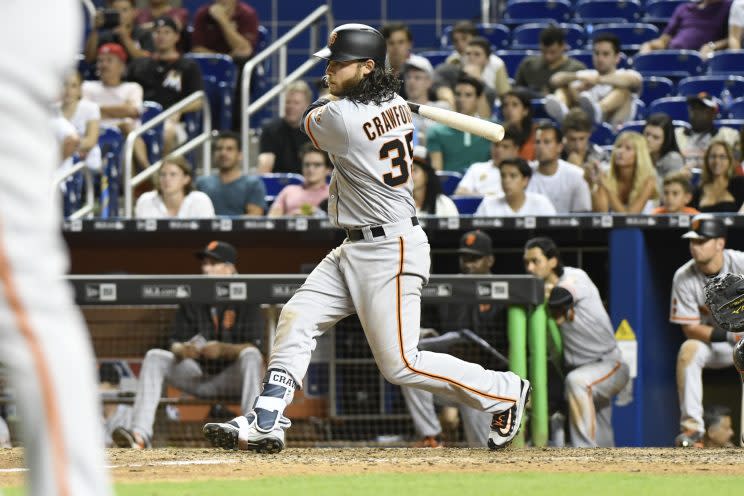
<point>110,18</point>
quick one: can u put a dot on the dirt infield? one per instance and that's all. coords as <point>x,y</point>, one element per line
<point>191,464</point>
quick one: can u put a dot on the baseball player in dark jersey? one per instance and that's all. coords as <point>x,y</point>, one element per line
<point>378,271</point>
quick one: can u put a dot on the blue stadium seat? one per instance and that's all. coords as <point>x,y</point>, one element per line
<point>727,62</point>
<point>219,76</point>
<point>636,126</point>
<point>736,109</point>
<point>467,205</point>
<point>522,11</point>
<point>732,123</point>
<point>275,181</point>
<point>538,109</point>
<point>601,11</point>
<point>674,64</point>
<point>660,11</point>
<point>110,141</point>
<point>512,59</point>
<point>713,85</point>
<point>193,5</point>
<point>436,57</point>
<point>603,135</point>
<point>631,35</point>
<point>527,36</point>
<point>674,106</point>
<point>655,87</point>
<point>449,180</point>
<point>498,34</point>
<point>153,138</point>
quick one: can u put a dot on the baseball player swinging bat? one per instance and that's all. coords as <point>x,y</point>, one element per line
<point>465,123</point>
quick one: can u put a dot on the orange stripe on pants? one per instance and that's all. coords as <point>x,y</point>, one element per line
<point>48,395</point>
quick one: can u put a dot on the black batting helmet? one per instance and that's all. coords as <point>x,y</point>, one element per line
<point>354,42</point>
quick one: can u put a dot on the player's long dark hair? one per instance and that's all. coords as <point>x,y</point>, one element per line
<point>377,87</point>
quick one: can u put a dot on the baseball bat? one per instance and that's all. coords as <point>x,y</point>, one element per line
<point>465,123</point>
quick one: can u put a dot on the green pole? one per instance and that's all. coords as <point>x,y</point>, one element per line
<point>538,346</point>
<point>556,354</point>
<point>517,333</point>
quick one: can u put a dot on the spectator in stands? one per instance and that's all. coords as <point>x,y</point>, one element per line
<point>516,108</point>
<point>136,41</point>
<point>561,182</point>
<point>706,345</point>
<point>427,188</point>
<point>483,320</point>
<point>484,178</point>
<point>462,33</point>
<point>535,71</point>
<point>167,78</point>
<point>417,81</point>
<point>146,16</point>
<point>226,26</point>
<point>718,427</point>
<point>281,138</point>
<point>213,352</point>
<point>720,190</point>
<point>595,370</point>
<point>735,25</point>
<point>630,184</point>
<point>399,42</point>
<point>67,140</point>
<point>577,149</point>
<point>516,201</point>
<point>231,192</point>
<point>295,199</point>
<point>174,195</point>
<point>120,102</point>
<point>662,145</point>
<point>703,110</point>
<point>450,149</point>
<point>605,93</point>
<point>85,116</point>
<point>480,62</point>
<point>694,26</point>
<point>677,195</point>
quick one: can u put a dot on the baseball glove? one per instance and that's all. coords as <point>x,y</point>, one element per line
<point>724,295</point>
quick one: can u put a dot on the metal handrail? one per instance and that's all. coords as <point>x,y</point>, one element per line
<point>280,45</point>
<point>204,138</point>
<point>91,9</point>
<point>89,191</point>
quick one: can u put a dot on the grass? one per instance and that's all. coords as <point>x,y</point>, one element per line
<point>505,484</point>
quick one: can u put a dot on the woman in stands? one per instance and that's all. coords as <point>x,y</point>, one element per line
<point>174,195</point>
<point>516,107</point>
<point>719,190</point>
<point>662,145</point>
<point>427,189</point>
<point>629,186</point>
<point>85,117</point>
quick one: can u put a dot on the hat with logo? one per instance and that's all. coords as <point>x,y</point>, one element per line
<point>706,227</point>
<point>703,98</point>
<point>420,63</point>
<point>476,243</point>
<point>220,251</point>
<point>167,21</point>
<point>113,49</point>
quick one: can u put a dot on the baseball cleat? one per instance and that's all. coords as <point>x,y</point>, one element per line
<point>689,439</point>
<point>222,434</point>
<point>125,438</point>
<point>505,425</point>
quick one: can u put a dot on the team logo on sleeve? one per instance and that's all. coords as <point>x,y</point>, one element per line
<point>332,39</point>
<point>318,114</point>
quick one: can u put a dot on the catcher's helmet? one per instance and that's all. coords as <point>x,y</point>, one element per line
<point>354,42</point>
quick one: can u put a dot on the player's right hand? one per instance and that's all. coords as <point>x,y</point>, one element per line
<point>185,350</point>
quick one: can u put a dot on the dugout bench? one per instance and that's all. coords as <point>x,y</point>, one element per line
<point>527,323</point>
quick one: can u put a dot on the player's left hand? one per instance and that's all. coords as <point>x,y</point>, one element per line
<point>212,350</point>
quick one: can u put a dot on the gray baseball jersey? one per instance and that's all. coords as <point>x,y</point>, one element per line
<point>590,335</point>
<point>688,297</point>
<point>371,148</point>
<point>688,307</point>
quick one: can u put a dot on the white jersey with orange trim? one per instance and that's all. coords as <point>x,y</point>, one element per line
<point>688,295</point>
<point>43,341</point>
<point>371,147</point>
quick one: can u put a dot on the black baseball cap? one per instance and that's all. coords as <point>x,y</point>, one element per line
<point>706,227</point>
<point>560,297</point>
<point>167,21</point>
<point>476,243</point>
<point>220,251</point>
